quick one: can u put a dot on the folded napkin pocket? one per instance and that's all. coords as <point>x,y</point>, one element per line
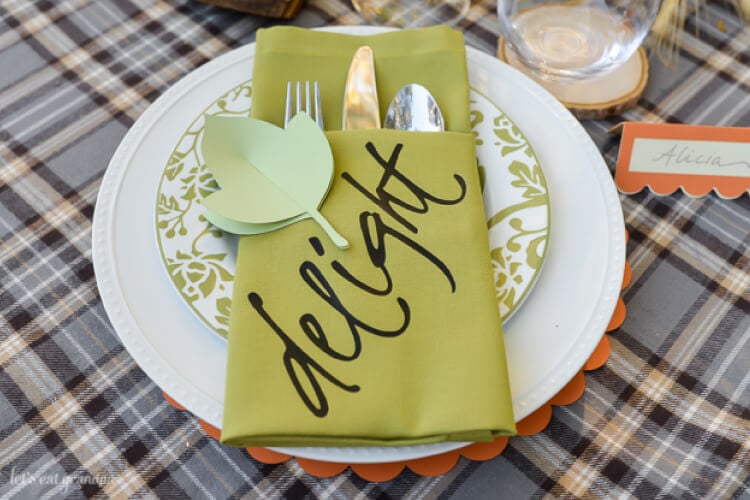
<point>397,339</point>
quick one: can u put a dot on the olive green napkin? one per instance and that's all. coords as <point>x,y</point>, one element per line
<point>396,340</point>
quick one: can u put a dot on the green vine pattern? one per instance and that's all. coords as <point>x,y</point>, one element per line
<point>201,270</point>
<point>198,258</point>
<point>518,261</point>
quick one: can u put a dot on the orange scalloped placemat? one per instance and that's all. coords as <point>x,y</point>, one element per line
<point>436,465</point>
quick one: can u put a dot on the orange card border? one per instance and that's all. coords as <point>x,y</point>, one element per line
<point>691,184</point>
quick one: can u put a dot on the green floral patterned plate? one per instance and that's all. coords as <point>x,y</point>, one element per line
<point>200,259</point>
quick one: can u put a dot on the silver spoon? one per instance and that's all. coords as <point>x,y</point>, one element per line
<point>414,109</point>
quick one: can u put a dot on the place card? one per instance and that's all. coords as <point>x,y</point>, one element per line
<point>693,158</point>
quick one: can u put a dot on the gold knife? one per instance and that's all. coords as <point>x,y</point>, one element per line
<point>361,109</point>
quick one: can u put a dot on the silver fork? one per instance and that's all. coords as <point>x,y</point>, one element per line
<point>295,95</point>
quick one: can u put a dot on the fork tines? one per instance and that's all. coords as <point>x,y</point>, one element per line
<point>294,94</point>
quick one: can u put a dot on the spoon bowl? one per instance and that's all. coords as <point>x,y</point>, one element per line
<point>414,109</point>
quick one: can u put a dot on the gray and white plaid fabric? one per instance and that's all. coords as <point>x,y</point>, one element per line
<point>668,416</point>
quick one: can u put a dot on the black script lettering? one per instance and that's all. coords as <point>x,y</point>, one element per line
<point>317,246</point>
<point>314,278</point>
<point>386,200</point>
<point>375,230</point>
<point>294,357</point>
<point>344,273</point>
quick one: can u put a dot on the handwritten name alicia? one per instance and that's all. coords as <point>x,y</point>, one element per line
<point>686,156</point>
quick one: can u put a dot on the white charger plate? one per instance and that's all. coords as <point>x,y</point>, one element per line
<point>547,341</point>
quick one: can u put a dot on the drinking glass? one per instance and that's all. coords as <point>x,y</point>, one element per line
<point>412,13</point>
<point>574,40</point>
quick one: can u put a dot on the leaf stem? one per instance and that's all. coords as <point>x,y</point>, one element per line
<point>336,238</point>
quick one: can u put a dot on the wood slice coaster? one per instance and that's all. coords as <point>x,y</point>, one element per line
<point>612,94</point>
<point>281,9</point>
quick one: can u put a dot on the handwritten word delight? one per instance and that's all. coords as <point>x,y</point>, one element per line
<point>303,370</point>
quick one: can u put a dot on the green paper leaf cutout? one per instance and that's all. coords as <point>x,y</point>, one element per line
<point>270,177</point>
<point>244,228</point>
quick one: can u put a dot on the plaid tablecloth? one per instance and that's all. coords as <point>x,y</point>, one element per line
<point>667,416</point>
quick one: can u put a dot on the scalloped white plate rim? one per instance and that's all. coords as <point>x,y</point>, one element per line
<point>558,327</point>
